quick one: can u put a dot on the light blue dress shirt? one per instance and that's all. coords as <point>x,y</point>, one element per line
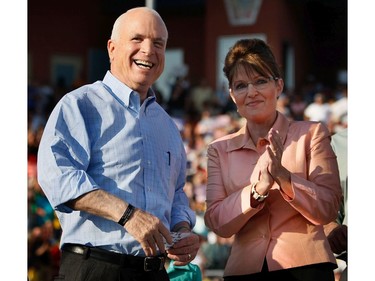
<point>99,136</point>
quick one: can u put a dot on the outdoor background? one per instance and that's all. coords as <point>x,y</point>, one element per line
<point>19,64</point>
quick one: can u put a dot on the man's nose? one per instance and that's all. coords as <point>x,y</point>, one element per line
<point>147,47</point>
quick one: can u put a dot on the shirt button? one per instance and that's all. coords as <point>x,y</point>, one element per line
<point>148,162</point>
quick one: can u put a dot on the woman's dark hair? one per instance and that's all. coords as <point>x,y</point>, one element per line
<point>254,55</point>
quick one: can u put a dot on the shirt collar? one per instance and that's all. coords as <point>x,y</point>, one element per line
<point>124,94</point>
<point>242,137</point>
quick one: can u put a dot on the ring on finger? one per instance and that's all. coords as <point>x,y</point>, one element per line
<point>189,256</point>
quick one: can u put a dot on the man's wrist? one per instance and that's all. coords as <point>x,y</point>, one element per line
<point>127,215</point>
<point>182,228</point>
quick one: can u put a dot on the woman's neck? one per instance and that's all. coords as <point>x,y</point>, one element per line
<point>260,129</point>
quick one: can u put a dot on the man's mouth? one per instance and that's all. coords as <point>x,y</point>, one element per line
<point>144,64</point>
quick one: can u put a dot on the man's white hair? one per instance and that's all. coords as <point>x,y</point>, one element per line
<point>115,35</point>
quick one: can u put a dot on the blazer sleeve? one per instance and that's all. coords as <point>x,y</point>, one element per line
<point>226,213</point>
<point>317,192</point>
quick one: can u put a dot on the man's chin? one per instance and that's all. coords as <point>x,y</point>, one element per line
<point>144,80</point>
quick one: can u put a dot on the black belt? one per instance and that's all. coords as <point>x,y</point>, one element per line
<point>142,263</point>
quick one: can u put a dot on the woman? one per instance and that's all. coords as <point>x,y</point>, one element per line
<point>274,183</point>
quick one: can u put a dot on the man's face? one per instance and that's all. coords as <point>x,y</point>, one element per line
<point>138,52</point>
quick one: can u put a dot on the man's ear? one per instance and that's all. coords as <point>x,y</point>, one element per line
<point>110,49</point>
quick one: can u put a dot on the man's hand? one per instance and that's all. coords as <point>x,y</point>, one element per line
<point>338,239</point>
<point>149,231</point>
<point>185,250</point>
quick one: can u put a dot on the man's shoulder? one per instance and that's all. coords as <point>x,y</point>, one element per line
<point>85,91</point>
<point>88,88</point>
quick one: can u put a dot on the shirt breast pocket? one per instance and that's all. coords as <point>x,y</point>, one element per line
<point>166,171</point>
<point>171,167</point>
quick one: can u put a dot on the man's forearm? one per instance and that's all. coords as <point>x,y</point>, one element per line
<point>100,203</point>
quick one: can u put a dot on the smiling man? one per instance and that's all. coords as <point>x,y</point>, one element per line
<point>137,58</point>
<point>112,164</point>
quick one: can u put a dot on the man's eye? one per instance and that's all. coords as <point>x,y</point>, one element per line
<point>159,44</point>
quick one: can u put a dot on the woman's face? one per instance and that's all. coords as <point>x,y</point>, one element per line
<point>255,95</point>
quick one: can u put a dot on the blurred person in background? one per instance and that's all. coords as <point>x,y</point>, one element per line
<point>112,163</point>
<point>282,106</point>
<point>274,183</point>
<point>202,97</point>
<point>177,103</point>
<point>339,110</point>
<point>297,107</point>
<point>319,110</point>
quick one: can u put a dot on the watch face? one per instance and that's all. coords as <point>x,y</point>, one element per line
<point>256,196</point>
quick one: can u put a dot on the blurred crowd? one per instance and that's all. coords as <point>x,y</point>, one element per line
<point>202,114</point>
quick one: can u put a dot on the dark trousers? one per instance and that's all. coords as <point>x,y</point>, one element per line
<point>314,272</point>
<point>75,267</point>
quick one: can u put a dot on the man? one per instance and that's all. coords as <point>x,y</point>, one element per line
<point>112,164</point>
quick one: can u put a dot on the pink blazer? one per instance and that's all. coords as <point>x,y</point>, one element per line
<point>288,232</point>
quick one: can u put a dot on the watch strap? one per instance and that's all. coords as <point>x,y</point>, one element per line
<point>256,195</point>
